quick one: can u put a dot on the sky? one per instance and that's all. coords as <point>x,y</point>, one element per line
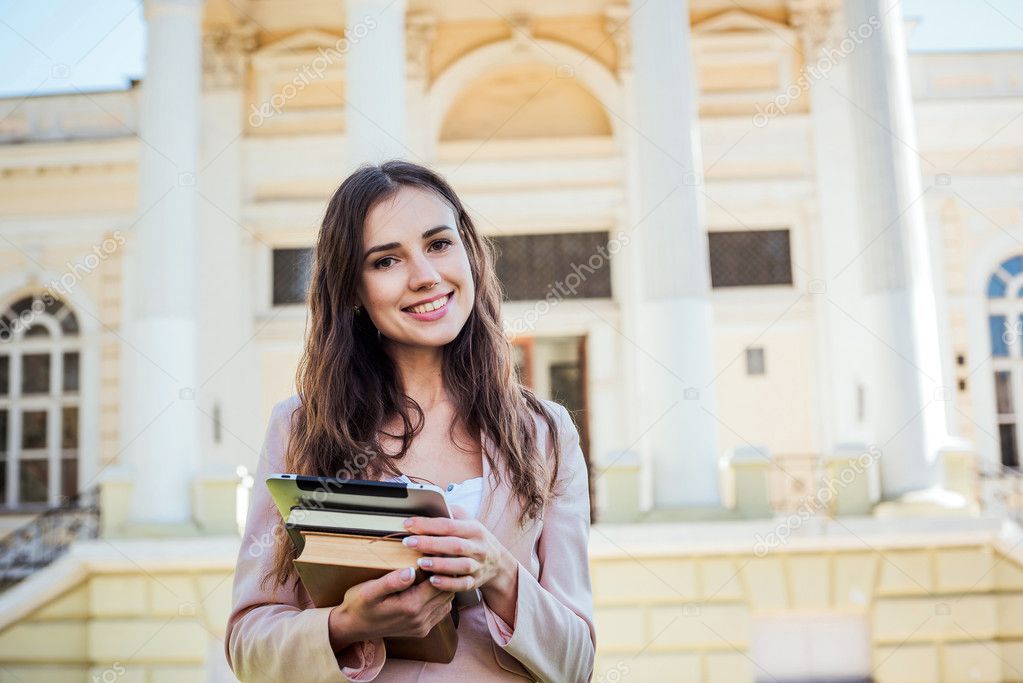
<point>52,46</point>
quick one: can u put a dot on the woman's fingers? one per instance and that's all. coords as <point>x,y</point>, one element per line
<point>442,545</point>
<point>452,566</point>
<point>424,596</point>
<point>453,583</point>
<point>390,583</point>
<point>444,526</point>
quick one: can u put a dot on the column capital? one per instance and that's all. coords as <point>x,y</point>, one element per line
<point>163,8</point>
<point>814,20</point>
<point>616,23</point>
<point>225,55</point>
<point>420,31</point>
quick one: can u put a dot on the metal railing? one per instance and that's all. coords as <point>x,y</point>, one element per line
<point>47,536</point>
<point>1001,490</point>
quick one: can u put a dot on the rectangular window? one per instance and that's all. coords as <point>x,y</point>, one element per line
<point>68,478</point>
<point>33,480</point>
<point>565,265</point>
<point>69,452</point>
<point>35,373</point>
<point>755,361</point>
<point>69,427</point>
<point>33,429</point>
<point>292,269</point>
<point>746,258</point>
<point>1007,439</point>
<point>4,459</point>
<point>999,336</point>
<point>1003,392</point>
<point>71,371</point>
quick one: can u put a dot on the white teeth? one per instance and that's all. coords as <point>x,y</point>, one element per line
<point>431,306</point>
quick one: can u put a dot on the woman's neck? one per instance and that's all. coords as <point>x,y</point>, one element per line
<point>421,371</point>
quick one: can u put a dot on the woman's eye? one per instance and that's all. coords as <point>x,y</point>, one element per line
<point>444,243</point>
<point>384,262</point>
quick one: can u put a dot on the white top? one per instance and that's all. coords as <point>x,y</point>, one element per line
<point>468,495</point>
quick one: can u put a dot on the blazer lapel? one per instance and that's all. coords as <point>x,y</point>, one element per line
<point>500,509</point>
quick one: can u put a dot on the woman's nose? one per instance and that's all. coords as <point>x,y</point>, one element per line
<point>423,275</point>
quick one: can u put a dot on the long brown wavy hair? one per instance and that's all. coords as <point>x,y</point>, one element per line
<point>349,387</point>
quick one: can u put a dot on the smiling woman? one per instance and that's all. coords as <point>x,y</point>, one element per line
<point>407,375</point>
<point>410,278</point>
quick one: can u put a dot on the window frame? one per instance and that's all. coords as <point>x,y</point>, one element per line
<point>1008,303</point>
<point>56,344</point>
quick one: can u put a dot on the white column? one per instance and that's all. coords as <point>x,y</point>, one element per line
<point>626,269</point>
<point>676,360</point>
<point>228,356</point>
<point>159,427</point>
<point>907,392</point>
<point>838,283</point>
<point>375,75</point>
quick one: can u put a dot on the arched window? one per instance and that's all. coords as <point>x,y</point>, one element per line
<point>1005,320</point>
<point>39,401</point>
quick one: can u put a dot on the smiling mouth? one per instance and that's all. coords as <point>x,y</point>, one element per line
<point>431,306</point>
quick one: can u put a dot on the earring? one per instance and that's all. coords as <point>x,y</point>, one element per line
<point>357,309</point>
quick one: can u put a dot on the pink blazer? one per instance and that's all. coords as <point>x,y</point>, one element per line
<point>553,638</point>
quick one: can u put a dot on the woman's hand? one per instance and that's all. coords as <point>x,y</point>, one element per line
<point>478,559</point>
<point>386,607</point>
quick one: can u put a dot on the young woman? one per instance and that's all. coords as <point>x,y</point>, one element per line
<point>407,375</point>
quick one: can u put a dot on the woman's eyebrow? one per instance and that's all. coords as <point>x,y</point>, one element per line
<point>394,245</point>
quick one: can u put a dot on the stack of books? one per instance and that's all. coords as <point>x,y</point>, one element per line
<point>342,549</point>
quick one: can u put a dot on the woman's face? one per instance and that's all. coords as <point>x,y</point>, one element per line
<point>415,282</point>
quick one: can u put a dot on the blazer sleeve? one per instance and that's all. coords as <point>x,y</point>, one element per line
<point>270,637</point>
<point>553,635</point>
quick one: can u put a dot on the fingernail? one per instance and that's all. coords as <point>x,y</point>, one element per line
<point>410,541</point>
<point>434,580</point>
<point>407,572</point>
<point>407,522</point>
<point>424,562</point>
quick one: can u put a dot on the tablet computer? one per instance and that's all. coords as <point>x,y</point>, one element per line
<point>359,495</point>
<point>356,495</point>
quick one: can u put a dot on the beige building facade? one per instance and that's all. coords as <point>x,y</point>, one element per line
<point>771,262</point>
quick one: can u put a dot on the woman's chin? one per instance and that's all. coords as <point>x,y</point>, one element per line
<point>434,338</point>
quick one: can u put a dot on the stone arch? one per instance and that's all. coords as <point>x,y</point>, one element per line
<point>596,79</point>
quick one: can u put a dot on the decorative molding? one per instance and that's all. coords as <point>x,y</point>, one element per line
<point>522,31</point>
<point>64,170</point>
<point>814,20</point>
<point>306,40</point>
<point>225,55</point>
<point>616,23</point>
<point>421,30</point>
<point>737,20</point>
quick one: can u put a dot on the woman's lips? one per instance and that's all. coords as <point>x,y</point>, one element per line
<point>435,314</point>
